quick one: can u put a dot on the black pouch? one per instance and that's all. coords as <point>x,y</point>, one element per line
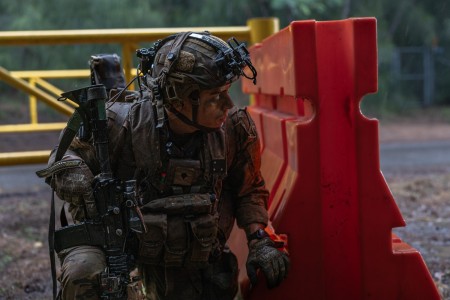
<point>177,244</point>
<point>204,234</point>
<point>106,70</point>
<point>151,243</point>
<point>222,277</point>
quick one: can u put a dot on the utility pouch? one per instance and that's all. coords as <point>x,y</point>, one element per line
<point>224,276</point>
<point>183,172</point>
<point>177,242</point>
<point>186,204</point>
<point>152,242</point>
<point>181,230</point>
<point>204,233</point>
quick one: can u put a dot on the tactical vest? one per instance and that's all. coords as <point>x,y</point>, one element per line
<point>179,194</point>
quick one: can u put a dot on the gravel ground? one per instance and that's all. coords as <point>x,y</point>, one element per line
<point>423,201</point>
<point>422,193</point>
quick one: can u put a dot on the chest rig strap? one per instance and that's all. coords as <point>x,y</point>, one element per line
<point>216,159</point>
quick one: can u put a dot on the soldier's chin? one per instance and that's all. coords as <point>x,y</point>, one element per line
<point>216,128</point>
<point>212,129</point>
<point>221,120</point>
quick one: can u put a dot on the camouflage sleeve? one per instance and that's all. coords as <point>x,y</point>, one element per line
<point>244,178</point>
<point>78,150</point>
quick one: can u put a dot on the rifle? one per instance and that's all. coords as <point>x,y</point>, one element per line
<point>118,217</point>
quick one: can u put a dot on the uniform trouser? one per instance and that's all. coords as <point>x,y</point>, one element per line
<point>81,267</point>
<point>80,272</point>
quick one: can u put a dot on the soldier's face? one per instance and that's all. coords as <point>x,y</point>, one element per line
<point>213,108</point>
<point>212,111</point>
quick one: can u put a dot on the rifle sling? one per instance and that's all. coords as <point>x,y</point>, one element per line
<point>69,133</point>
<point>67,136</point>
<point>51,243</point>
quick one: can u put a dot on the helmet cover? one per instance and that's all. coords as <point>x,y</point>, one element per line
<point>199,61</point>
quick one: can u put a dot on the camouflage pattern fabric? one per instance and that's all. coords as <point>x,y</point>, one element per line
<point>80,270</point>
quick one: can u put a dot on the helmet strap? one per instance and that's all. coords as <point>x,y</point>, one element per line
<point>159,106</point>
<point>172,56</point>
<point>193,122</point>
<point>195,103</point>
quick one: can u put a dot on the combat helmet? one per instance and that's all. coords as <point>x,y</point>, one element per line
<point>179,66</point>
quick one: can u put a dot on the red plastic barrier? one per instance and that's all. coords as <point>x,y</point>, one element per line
<point>321,159</point>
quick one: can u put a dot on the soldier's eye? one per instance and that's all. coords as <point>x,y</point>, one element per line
<point>215,98</point>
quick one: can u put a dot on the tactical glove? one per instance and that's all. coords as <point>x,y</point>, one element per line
<point>273,262</point>
<point>74,185</point>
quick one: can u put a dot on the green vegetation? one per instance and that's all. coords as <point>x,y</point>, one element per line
<point>404,23</point>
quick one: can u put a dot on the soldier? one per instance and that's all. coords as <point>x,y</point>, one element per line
<point>184,142</point>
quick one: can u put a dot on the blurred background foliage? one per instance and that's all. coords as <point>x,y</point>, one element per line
<point>413,36</point>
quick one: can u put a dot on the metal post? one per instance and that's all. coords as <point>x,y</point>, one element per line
<point>428,79</point>
<point>33,104</point>
<point>21,84</point>
<point>24,158</point>
<point>260,28</point>
<point>127,62</point>
<point>396,63</point>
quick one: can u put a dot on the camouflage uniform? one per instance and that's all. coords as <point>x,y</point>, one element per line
<point>135,152</point>
<point>191,187</point>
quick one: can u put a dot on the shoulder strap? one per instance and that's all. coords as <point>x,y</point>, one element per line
<point>69,133</point>
<point>51,243</point>
<point>117,115</point>
<point>143,128</point>
<point>215,159</point>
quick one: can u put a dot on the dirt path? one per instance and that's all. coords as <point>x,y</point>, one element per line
<point>413,132</point>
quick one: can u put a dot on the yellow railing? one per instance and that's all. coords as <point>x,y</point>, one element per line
<point>35,85</point>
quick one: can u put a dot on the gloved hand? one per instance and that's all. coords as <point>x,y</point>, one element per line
<point>273,262</point>
<point>74,185</point>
